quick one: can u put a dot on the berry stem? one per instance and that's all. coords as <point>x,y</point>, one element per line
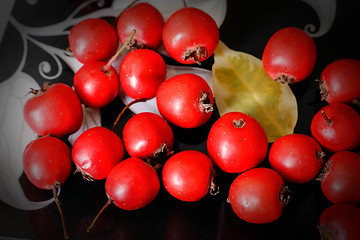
<point>112,60</point>
<point>43,89</point>
<point>124,109</point>
<point>329,122</point>
<point>68,52</point>
<point>109,201</point>
<point>154,164</point>
<point>54,189</point>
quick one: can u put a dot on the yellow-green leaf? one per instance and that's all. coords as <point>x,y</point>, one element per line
<point>241,84</point>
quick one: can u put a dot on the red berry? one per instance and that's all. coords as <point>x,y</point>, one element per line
<point>147,135</point>
<point>237,142</point>
<point>289,55</point>
<point>54,110</point>
<point>96,151</point>
<point>340,222</point>
<point>258,195</point>
<point>47,162</point>
<point>96,88</point>
<point>132,184</point>
<point>336,127</point>
<point>297,158</point>
<point>141,73</point>
<point>187,175</point>
<point>185,100</point>
<point>93,39</point>
<point>148,23</point>
<point>340,81</point>
<point>340,179</point>
<point>190,35</point>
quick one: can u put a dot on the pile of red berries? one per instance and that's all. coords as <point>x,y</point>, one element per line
<point>236,143</point>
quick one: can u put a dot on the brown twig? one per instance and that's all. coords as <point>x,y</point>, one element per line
<point>54,189</point>
<point>113,58</point>
<point>109,201</point>
<point>124,109</point>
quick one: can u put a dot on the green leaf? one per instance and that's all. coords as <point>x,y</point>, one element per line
<point>241,84</point>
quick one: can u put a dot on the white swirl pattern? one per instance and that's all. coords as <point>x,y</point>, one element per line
<point>326,11</point>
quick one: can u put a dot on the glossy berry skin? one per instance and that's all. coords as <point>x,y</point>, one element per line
<point>190,35</point>
<point>185,100</point>
<point>237,142</point>
<point>148,23</point>
<point>132,184</point>
<point>147,135</point>
<point>187,174</point>
<point>95,87</point>
<point>340,222</point>
<point>339,129</point>
<point>47,162</point>
<point>289,55</point>
<point>340,180</point>
<point>54,109</point>
<point>298,158</point>
<point>141,73</point>
<point>255,195</point>
<point>96,151</point>
<point>339,81</point>
<point>93,39</point>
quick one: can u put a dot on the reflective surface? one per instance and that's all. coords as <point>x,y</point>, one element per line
<point>28,61</point>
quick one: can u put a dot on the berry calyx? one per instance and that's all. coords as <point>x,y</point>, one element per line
<point>205,103</point>
<point>239,123</point>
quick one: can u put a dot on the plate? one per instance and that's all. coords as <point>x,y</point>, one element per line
<point>32,52</point>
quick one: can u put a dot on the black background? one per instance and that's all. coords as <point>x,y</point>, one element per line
<point>247,27</point>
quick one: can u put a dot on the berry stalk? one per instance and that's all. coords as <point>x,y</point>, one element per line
<point>112,60</point>
<point>54,189</point>
<point>109,201</point>
<point>124,109</point>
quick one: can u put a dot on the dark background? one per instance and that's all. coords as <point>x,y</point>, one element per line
<point>247,27</point>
